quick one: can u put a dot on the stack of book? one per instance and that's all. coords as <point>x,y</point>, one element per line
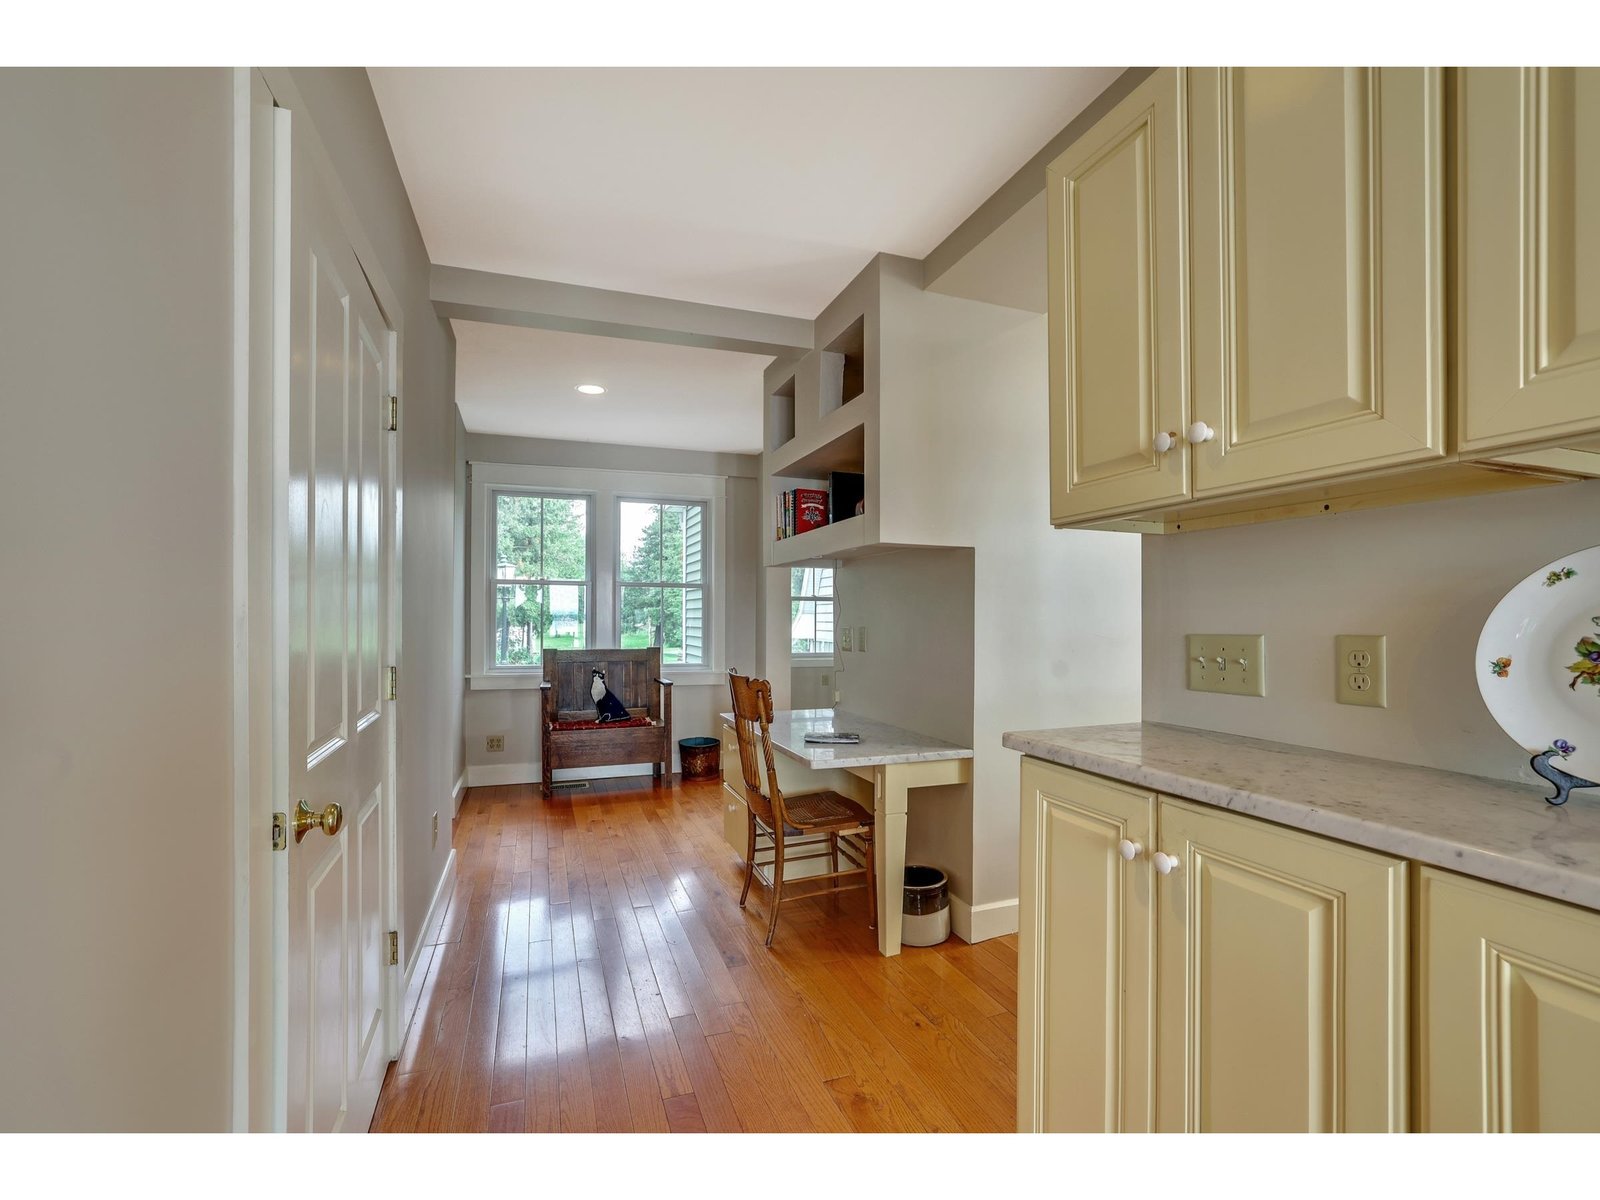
<point>801,510</point>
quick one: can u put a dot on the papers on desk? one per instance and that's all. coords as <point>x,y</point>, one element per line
<point>828,737</point>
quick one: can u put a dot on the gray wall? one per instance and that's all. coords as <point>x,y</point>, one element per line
<point>513,713</point>
<point>917,673</point>
<point>115,647</point>
<point>341,106</point>
<point>1427,575</point>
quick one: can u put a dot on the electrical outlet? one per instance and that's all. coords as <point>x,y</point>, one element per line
<point>844,639</point>
<point>435,829</point>
<point>861,639</point>
<point>1234,664</point>
<point>1361,669</point>
<point>496,743</point>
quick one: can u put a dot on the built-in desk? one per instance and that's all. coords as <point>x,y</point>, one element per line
<point>893,761</point>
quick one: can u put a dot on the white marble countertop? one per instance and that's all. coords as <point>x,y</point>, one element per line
<point>880,744</point>
<point>1503,832</point>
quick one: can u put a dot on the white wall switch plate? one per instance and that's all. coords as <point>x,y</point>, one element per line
<point>1361,669</point>
<point>1234,664</point>
<point>861,639</point>
<point>844,639</point>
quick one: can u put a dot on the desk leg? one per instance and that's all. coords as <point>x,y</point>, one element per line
<point>889,842</point>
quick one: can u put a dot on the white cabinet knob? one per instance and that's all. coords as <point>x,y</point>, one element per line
<point>1128,850</point>
<point>1164,442</point>
<point>1164,864</point>
<point>1200,432</point>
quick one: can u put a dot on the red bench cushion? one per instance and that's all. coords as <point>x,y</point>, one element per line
<point>631,723</point>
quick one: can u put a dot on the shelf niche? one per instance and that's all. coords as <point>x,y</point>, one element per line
<point>844,368</point>
<point>780,415</point>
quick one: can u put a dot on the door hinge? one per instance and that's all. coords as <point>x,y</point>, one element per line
<point>280,831</point>
<point>394,683</point>
<point>394,948</point>
<point>394,414</point>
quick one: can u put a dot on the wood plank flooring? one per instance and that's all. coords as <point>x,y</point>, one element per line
<point>592,971</point>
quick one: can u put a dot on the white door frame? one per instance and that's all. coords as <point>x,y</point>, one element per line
<point>260,588</point>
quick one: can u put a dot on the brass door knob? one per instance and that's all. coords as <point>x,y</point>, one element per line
<point>330,820</point>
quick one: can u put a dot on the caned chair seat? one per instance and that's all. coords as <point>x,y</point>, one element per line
<point>832,825</point>
<point>824,812</point>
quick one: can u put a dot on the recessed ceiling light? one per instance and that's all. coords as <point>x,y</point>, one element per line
<point>591,389</point>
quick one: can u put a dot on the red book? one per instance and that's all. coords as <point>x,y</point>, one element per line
<point>810,509</point>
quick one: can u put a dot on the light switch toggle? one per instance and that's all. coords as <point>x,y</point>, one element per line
<point>1231,663</point>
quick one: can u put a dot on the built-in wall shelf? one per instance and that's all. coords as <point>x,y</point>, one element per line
<point>838,540</point>
<point>829,448</point>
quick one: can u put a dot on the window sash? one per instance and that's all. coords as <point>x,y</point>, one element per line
<point>495,581</point>
<point>696,549</point>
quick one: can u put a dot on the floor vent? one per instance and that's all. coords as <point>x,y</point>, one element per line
<point>569,785</point>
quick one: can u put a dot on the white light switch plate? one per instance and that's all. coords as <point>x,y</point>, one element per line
<point>1234,664</point>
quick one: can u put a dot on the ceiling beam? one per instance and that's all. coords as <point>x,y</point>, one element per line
<point>541,304</point>
<point>1013,195</point>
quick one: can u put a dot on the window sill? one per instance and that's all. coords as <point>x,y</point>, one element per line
<point>531,680</point>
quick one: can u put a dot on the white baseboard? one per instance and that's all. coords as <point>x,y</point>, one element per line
<point>456,793</point>
<point>441,892</point>
<point>979,923</point>
<point>494,774</point>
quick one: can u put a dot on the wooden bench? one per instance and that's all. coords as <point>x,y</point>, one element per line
<point>635,677</point>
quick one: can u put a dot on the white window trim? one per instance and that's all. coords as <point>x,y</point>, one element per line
<point>605,490</point>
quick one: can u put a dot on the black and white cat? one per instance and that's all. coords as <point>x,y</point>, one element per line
<point>605,700</point>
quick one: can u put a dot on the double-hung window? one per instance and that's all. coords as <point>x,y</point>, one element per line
<point>661,599</point>
<point>811,612</point>
<point>574,558</point>
<point>541,576</point>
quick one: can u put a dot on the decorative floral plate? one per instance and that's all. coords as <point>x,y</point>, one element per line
<point>1538,667</point>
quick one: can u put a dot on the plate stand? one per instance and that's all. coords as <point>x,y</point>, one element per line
<point>1564,782</point>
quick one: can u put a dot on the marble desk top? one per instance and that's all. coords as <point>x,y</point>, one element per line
<point>1502,832</point>
<point>880,745</point>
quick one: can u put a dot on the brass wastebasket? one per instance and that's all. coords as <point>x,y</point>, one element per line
<point>700,758</point>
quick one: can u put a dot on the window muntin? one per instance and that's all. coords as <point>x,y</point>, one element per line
<point>811,611</point>
<point>541,578</point>
<point>661,593</point>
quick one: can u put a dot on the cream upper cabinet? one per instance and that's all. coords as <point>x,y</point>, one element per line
<point>1282,998</point>
<point>1317,284</point>
<point>1508,1010</point>
<point>1528,221</point>
<point>1118,376</point>
<point>1085,975</point>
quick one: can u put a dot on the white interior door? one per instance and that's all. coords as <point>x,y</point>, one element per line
<point>339,716</point>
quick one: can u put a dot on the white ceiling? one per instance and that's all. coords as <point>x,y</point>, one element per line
<point>765,189</point>
<point>519,381</point>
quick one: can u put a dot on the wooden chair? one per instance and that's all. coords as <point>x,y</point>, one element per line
<point>568,734</point>
<point>825,821</point>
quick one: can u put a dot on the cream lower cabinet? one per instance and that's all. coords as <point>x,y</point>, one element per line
<point>1257,984</point>
<point>1086,975</point>
<point>1281,979</point>
<point>1508,1010</point>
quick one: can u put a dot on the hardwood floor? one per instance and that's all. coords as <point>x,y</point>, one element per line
<point>593,972</point>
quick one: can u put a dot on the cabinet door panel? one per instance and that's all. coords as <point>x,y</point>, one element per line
<point>1085,965</point>
<point>1117,372</point>
<point>1318,235</point>
<point>1528,190</point>
<point>1281,959</point>
<point>1509,1005</point>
